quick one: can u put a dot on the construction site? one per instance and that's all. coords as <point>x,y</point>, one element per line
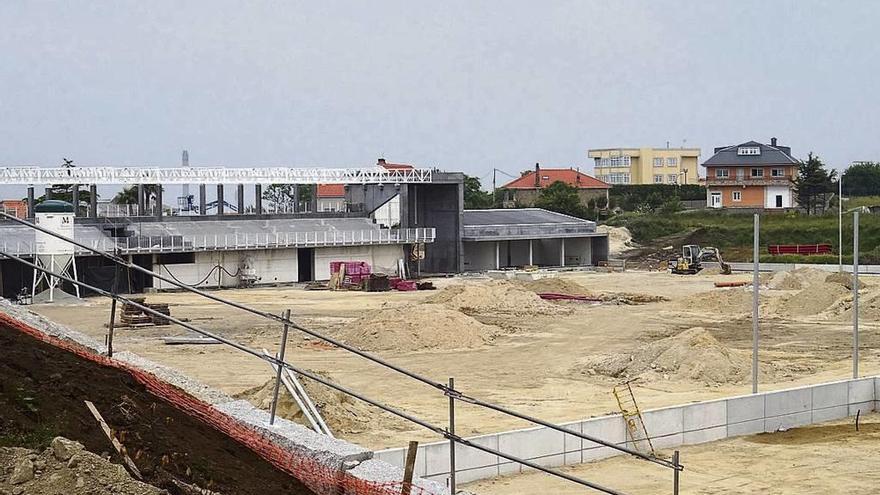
<point>356,376</point>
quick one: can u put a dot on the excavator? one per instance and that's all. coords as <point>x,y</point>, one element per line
<point>692,257</point>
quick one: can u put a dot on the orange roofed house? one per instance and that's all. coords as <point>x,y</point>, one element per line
<point>525,190</point>
<point>751,175</point>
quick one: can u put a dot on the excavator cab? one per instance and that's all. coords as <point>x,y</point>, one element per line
<point>689,261</point>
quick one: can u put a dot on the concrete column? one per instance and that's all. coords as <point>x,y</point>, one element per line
<point>202,199</point>
<point>562,252</point>
<point>258,198</point>
<point>239,196</point>
<point>219,199</point>
<point>93,200</point>
<point>159,201</point>
<point>141,200</point>
<point>75,199</point>
<point>48,193</point>
<point>531,262</point>
<point>296,207</point>
<point>30,202</point>
<point>497,255</point>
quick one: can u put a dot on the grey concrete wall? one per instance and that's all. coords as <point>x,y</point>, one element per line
<point>440,206</point>
<point>479,256</point>
<point>668,427</point>
<point>787,267</point>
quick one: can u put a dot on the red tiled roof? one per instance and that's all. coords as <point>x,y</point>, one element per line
<point>550,175</point>
<point>331,190</point>
<point>393,166</point>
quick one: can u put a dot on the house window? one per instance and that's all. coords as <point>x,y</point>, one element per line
<point>777,172</point>
<point>658,179</point>
<point>617,161</point>
<point>757,172</point>
<point>672,162</point>
<point>737,195</point>
<point>722,173</point>
<point>748,151</point>
<point>617,178</point>
<point>658,162</point>
<point>672,178</point>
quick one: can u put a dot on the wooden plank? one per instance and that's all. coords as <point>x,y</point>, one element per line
<point>130,465</point>
<point>409,467</point>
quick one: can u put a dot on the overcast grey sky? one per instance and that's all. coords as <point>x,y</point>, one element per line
<point>461,85</point>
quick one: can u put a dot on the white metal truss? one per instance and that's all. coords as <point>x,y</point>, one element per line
<point>210,175</point>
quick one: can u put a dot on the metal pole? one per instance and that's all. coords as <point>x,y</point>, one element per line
<point>755,284</point>
<point>840,224</point>
<point>110,328</point>
<point>451,440</point>
<point>855,307</point>
<point>675,473</point>
<point>280,368</point>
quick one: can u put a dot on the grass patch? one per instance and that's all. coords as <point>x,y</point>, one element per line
<point>732,233</point>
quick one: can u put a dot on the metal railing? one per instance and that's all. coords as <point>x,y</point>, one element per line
<point>448,390</point>
<point>235,242</point>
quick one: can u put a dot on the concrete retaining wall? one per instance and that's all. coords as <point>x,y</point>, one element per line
<point>787,267</point>
<point>668,427</point>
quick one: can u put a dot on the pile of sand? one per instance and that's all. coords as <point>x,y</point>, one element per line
<point>416,327</point>
<point>813,299</point>
<point>732,301</point>
<point>342,413</point>
<point>497,297</point>
<point>556,285</point>
<point>693,354</point>
<point>619,239</point>
<point>785,281</point>
<point>65,467</point>
<point>846,280</point>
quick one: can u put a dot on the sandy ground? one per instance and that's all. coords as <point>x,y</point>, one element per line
<point>825,458</point>
<point>527,366</point>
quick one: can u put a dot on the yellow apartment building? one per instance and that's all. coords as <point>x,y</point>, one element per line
<point>646,165</point>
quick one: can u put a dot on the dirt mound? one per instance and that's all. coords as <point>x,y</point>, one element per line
<point>785,281</point>
<point>416,327</point>
<point>812,300</point>
<point>735,300</point>
<point>846,280</point>
<point>66,467</point>
<point>342,413</point>
<point>619,239</point>
<point>556,285</point>
<point>496,297</point>
<point>693,354</point>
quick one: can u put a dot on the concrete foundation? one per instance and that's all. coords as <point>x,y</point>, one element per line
<point>668,427</point>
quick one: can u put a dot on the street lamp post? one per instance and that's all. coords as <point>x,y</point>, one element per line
<point>840,223</point>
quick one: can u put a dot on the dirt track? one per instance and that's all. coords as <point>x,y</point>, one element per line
<point>532,363</point>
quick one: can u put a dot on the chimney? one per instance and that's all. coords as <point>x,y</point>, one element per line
<point>537,176</point>
<point>773,141</point>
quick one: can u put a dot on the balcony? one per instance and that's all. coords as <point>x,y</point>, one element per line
<point>784,180</point>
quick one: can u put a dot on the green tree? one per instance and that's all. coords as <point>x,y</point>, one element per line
<point>813,183</point>
<point>280,195</point>
<point>128,195</point>
<point>561,198</point>
<point>862,179</point>
<point>475,198</point>
<point>64,192</point>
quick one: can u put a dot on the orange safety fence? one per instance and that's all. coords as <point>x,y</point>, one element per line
<point>318,477</point>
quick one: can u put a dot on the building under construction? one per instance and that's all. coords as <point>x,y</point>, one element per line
<point>222,244</point>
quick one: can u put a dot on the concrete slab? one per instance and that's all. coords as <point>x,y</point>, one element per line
<point>532,443</point>
<point>861,390</point>
<point>745,408</point>
<point>745,428</point>
<point>829,413</point>
<point>573,445</point>
<point>469,475</point>
<point>865,407</point>
<point>611,429</point>
<point>703,416</point>
<point>787,421</point>
<point>705,435</point>
<point>660,422</point>
<point>833,394</point>
<point>471,458</point>
<point>436,459</point>
<point>788,402</point>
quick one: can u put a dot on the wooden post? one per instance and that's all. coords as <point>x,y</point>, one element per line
<point>409,467</point>
<point>129,464</point>
<point>110,328</point>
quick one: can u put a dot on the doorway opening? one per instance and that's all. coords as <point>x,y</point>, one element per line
<point>305,263</point>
